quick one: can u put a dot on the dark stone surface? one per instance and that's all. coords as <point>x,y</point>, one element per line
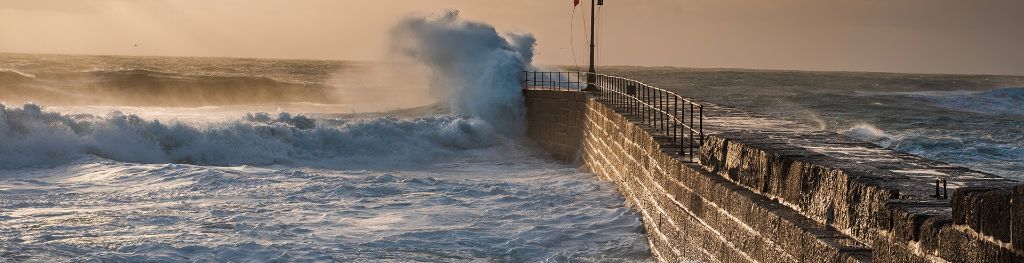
<point>1017,218</point>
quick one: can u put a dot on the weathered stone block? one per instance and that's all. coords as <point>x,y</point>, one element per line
<point>928,234</point>
<point>986,210</point>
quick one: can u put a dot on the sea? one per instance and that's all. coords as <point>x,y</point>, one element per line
<point>131,159</point>
<point>170,159</point>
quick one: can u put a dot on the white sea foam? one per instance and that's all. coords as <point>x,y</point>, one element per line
<point>497,205</point>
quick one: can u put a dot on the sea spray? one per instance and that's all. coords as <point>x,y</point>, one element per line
<point>470,63</point>
<point>870,133</point>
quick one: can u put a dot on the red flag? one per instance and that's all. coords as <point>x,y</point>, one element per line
<point>575,3</point>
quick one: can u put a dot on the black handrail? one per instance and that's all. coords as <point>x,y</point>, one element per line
<point>663,110</point>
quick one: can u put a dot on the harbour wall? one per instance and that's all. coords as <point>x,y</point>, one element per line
<point>767,190</point>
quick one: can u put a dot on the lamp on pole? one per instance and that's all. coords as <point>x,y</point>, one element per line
<point>592,72</point>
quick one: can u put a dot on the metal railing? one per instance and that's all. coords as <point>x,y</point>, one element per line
<point>676,117</point>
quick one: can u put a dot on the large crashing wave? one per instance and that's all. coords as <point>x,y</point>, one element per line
<point>473,65</point>
<point>30,136</point>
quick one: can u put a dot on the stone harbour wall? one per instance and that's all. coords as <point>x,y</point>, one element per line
<point>760,193</point>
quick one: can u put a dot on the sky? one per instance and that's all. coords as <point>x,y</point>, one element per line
<point>916,36</point>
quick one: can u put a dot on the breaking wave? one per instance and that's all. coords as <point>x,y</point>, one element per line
<point>473,66</point>
<point>870,133</point>
<point>983,152</point>
<point>30,136</point>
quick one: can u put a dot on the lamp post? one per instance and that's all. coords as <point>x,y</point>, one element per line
<point>592,72</point>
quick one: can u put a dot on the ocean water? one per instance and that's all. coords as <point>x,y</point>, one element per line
<point>440,187</point>
<point>975,121</point>
<point>143,159</point>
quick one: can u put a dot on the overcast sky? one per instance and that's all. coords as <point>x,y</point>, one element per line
<point>928,36</point>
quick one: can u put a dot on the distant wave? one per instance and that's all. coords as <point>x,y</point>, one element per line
<point>995,101</point>
<point>14,75</point>
<point>143,87</point>
<point>30,136</point>
<point>146,75</point>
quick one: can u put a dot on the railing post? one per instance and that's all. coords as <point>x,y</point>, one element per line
<point>647,102</point>
<point>618,92</point>
<point>635,100</point>
<point>644,102</point>
<point>675,126</point>
<point>647,110</point>
<point>654,107</point>
<point>682,118</point>
<point>691,131</point>
<point>663,112</point>
<point>650,111</point>
<point>701,125</point>
<point>657,106</point>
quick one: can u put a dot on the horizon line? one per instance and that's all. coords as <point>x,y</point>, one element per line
<point>553,65</point>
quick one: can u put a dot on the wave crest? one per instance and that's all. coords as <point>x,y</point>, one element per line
<point>10,74</point>
<point>995,101</point>
<point>870,133</point>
